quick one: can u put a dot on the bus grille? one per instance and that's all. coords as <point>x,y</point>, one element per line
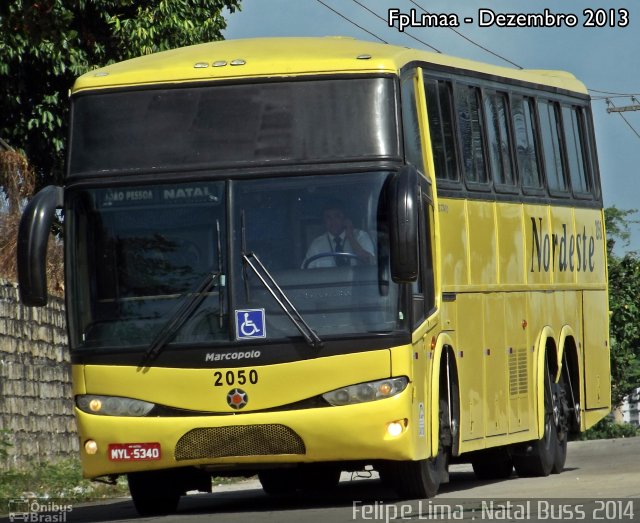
<point>240,440</point>
<point>518,372</point>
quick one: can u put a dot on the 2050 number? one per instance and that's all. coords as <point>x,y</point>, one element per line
<point>239,377</point>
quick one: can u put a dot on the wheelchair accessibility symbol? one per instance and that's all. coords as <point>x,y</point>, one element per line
<point>250,324</point>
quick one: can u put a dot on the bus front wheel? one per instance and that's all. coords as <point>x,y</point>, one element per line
<point>413,479</point>
<point>422,478</point>
<point>154,493</point>
<point>494,463</point>
<point>309,477</point>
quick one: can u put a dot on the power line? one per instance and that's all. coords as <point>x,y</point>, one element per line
<point>387,22</point>
<point>352,22</point>
<point>611,94</point>
<point>605,97</point>
<point>486,49</point>
<point>472,41</point>
<point>615,95</point>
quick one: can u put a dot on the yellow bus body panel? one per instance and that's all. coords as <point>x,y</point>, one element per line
<point>352,432</point>
<point>279,384</point>
<point>522,274</point>
<point>269,57</point>
<point>346,433</point>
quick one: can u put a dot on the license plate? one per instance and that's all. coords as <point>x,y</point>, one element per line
<point>134,451</point>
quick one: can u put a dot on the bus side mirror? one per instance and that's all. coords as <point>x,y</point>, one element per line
<point>403,225</point>
<point>33,235</point>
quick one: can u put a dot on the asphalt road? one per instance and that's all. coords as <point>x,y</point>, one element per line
<point>601,482</point>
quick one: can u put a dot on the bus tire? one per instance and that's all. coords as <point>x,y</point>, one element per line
<point>154,493</point>
<point>279,482</point>
<point>493,464</point>
<point>422,478</point>
<point>412,479</point>
<point>319,477</point>
<point>537,458</point>
<point>562,416</point>
<point>312,477</point>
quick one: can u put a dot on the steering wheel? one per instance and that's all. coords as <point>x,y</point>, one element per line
<point>327,254</point>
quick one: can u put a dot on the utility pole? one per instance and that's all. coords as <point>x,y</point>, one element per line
<point>635,107</point>
<point>613,109</point>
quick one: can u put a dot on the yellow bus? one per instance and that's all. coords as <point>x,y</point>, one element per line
<point>293,257</point>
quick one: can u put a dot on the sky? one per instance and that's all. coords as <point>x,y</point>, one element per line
<point>604,58</point>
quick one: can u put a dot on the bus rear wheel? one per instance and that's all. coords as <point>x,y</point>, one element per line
<point>562,416</point>
<point>541,457</point>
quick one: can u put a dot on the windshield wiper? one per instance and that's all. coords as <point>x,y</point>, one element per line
<point>274,289</point>
<point>281,298</point>
<point>187,306</point>
<point>220,296</point>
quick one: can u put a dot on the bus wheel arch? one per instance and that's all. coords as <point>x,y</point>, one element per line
<point>546,361</point>
<point>448,386</point>
<point>445,384</point>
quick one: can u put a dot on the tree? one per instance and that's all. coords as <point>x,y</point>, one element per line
<point>624,289</point>
<point>617,224</point>
<point>17,180</point>
<point>46,44</point>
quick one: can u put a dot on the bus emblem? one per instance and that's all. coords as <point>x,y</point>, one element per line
<point>237,398</point>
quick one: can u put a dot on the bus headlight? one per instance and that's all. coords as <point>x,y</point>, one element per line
<point>363,392</point>
<point>113,405</point>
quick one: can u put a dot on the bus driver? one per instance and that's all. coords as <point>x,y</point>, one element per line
<point>340,237</point>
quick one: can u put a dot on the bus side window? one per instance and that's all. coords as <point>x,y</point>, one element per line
<point>591,155</point>
<point>499,140</point>
<point>469,112</point>
<point>553,163</point>
<point>526,144</point>
<point>410,126</point>
<point>441,129</point>
<point>574,143</point>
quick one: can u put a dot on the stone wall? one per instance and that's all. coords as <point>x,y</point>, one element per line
<point>36,407</point>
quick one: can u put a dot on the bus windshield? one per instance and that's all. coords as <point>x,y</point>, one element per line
<point>139,253</point>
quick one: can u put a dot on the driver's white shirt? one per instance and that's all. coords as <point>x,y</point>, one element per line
<point>324,244</point>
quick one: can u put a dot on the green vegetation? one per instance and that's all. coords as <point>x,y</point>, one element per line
<point>624,289</point>
<point>607,429</point>
<point>62,480</point>
<point>45,45</point>
<point>5,444</point>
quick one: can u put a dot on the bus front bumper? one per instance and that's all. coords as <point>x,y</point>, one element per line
<point>377,430</point>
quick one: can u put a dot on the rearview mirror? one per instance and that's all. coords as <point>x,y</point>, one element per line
<point>33,235</point>
<point>403,224</point>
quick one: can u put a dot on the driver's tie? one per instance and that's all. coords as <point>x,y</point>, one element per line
<point>341,261</point>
